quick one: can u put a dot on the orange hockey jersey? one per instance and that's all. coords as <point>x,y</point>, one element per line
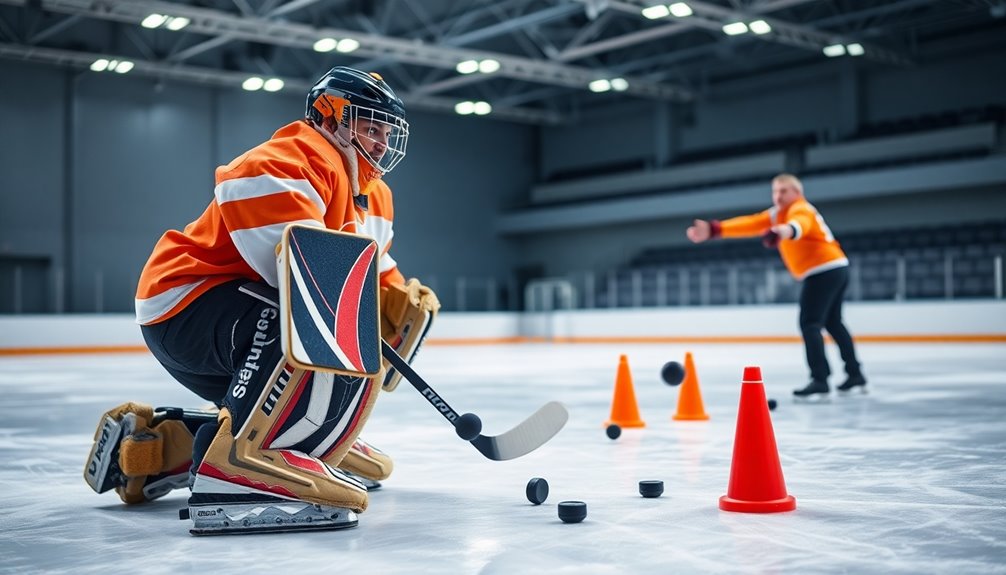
<point>812,249</point>
<point>295,177</point>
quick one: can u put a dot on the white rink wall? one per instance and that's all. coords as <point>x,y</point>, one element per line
<point>954,320</point>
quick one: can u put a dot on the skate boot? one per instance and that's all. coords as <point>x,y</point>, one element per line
<point>240,487</point>
<point>141,452</point>
<point>853,383</point>
<point>367,463</point>
<point>814,391</point>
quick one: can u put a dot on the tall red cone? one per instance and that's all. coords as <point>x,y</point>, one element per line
<point>690,407</point>
<point>624,410</point>
<point>756,482</point>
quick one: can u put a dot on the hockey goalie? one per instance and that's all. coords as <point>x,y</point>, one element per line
<point>292,373</point>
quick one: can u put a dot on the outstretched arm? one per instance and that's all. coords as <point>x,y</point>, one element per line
<point>701,231</point>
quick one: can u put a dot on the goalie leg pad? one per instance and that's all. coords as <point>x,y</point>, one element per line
<point>367,461</point>
<point>241,488</point>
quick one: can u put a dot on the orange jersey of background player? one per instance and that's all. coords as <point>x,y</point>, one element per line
<point>295,177</point>
<point>812,249</point>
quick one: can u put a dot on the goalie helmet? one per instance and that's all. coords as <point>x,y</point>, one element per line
<point>361,109</point>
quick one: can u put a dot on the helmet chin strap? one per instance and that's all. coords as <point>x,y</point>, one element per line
<point>353,160</point>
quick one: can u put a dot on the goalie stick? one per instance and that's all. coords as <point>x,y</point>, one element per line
<point>527,436</point>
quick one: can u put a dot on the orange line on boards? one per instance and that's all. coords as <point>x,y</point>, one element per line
<point>922,338</point>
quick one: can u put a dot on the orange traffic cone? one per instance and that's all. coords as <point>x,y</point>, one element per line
<point>756,482</point>
<point>624,411</point>
<point>690,398</point>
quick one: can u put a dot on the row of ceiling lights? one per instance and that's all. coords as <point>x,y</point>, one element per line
<point>683,10</point>
<point>759,27</point>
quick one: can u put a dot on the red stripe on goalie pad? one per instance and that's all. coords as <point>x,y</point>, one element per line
<point>210,471</point>
<point>294,459</point>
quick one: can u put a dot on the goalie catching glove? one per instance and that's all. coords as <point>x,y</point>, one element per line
<point>407,312</point>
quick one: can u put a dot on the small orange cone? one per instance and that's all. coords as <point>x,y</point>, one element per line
<point>756,482</point>
<point>690,406</point>
<point>624,411</point>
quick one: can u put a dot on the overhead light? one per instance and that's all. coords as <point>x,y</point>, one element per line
<point>325,45</point>
<point>488,66</point>
<point>177,23</point>
<point>680,10</point>
<point>153,20</point>
<point>273,85</point>
<point>601,85</point>
<point>123,67</point>
<point>99,65</point>
<point>735,28</point>
<point>482,108</point>
<point>347,45</point>
<point>467,67</point>
<point>760,27</point>
<point>834,50</point>
<point>253,83</point>
<point>855,49</point>
<point>655,12</point>
<point>464,108</point>
<point>619,84</point>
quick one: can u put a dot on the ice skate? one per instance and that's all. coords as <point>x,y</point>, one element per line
<point>241,488</point>
<point>141,453</point>
<point>814,392</point>
<point>853,384</point>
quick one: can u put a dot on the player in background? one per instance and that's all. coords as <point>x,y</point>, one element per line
<point>208,309</point>
<point>812,255</point>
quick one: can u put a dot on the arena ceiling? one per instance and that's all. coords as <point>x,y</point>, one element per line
<point>533,61</point>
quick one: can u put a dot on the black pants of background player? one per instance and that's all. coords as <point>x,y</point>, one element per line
<point>821,308</point>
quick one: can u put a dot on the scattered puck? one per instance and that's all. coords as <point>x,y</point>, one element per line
<point>771,405</point>
<point>537,490</point>
<point>672,373</point>
<point>468,426</point>
<point>651,488</point>
<point>613,431</point>
<point>572,511</point>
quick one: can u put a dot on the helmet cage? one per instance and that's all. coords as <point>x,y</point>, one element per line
<point>380,137</point>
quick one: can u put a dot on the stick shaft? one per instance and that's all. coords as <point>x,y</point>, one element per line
<point>419,383</point>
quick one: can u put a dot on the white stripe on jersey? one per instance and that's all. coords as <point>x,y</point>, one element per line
<point>152,308</point>
<point>258,247</point>
<point>265,185</point>
<point>381,230</point>
<point>797,230</point>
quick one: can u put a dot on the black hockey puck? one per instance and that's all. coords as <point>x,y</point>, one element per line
<point>672,373</point>
<point>613,431</point>
<point>537,490</point>
<point>651,488</point>
<point>771,405</point>
<point>572,511</point>
<point>468,426</point>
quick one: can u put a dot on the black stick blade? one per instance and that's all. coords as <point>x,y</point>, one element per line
<point>529,435</point>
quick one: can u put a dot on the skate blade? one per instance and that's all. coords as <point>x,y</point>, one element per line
<point>858,390</point>
<point>370,484</point>
<point>267,517</point>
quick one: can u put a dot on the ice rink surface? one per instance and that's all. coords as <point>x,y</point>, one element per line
<point>910,478</point>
